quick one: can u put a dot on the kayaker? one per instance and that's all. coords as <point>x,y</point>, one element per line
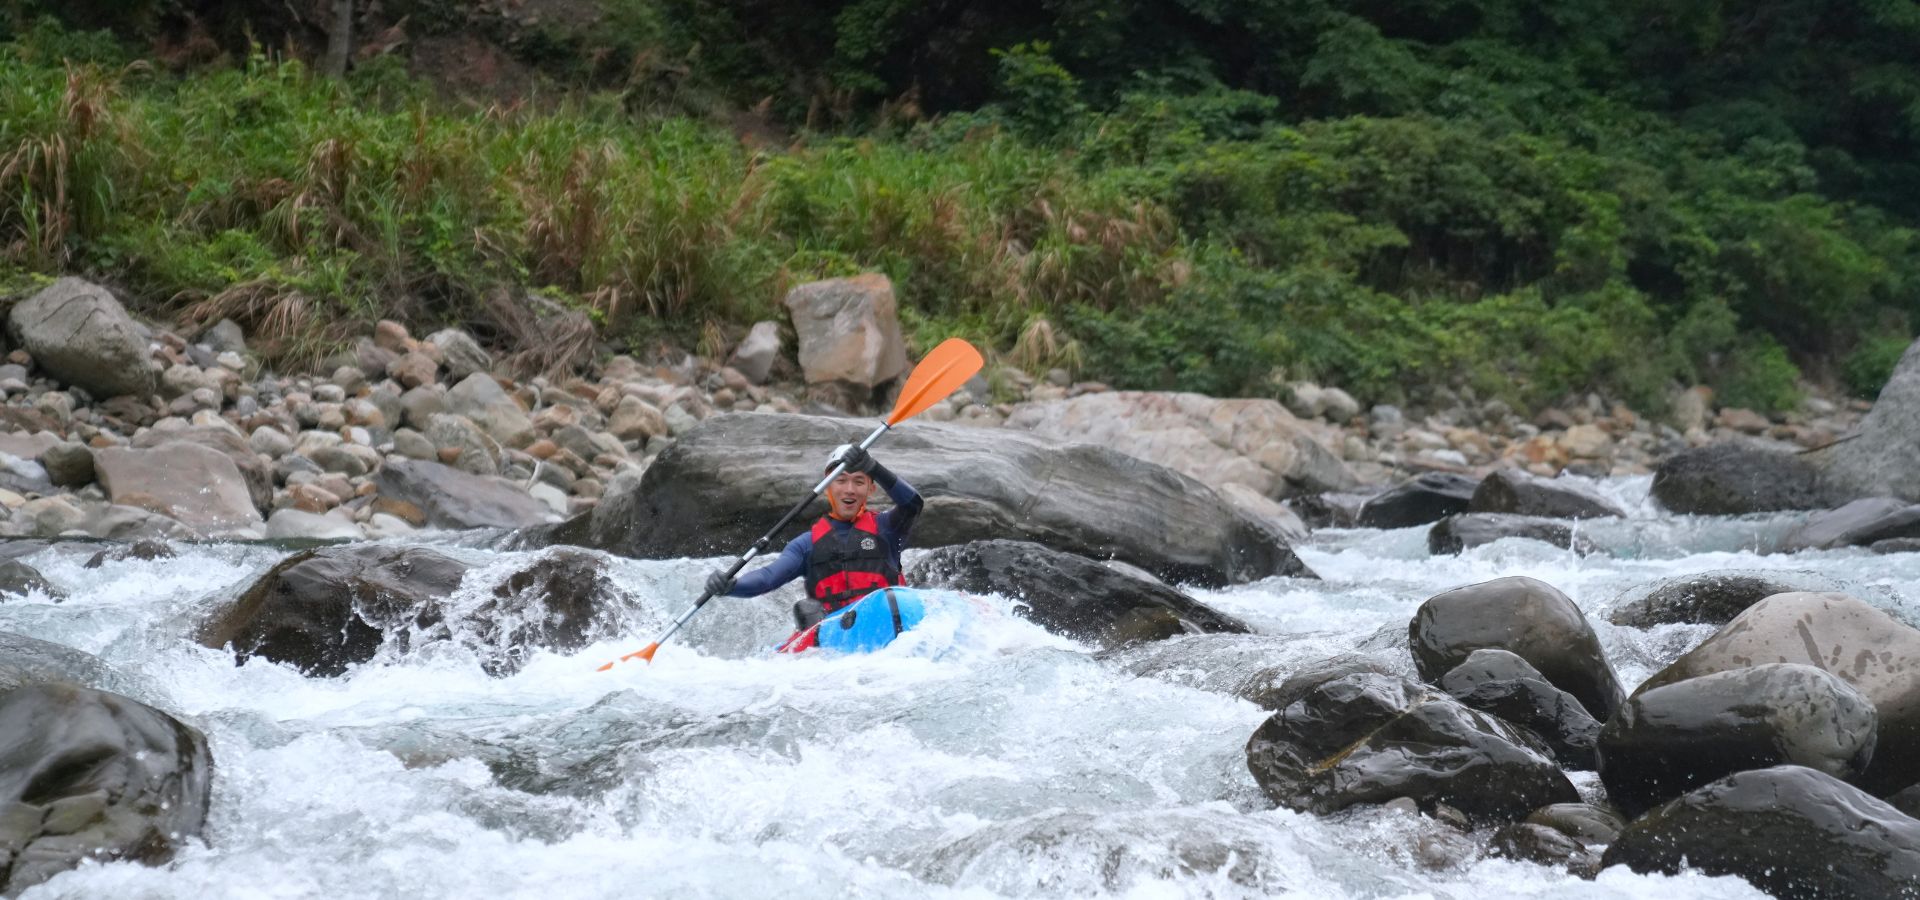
<point>847,554</point>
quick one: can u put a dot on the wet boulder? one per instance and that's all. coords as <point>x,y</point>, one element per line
<point>1734,479</point>
<point>1907,801</point>
<point>25,661</point>
<point>449,498</point>
<point>1545,846</point>
<point>1526,617</point>
<point>1867,648</point>
<point>19,578</point>
<point>1071,595</point>
<point>1329,509</point>
<point>1519,493</point>
<point>1858,524</point>
<point>1419,501</point>
<point>1502,684</point>
<point>1461,532</point>
<point>1710,598</point>
<point>1368,738</point>
<point>563,599</point>
<point>1669,740</point>
<point>725,481</point>
<point>1790,831</point>
<point>88,775</point>
<point>323,610</point>
<point>1276,692</point>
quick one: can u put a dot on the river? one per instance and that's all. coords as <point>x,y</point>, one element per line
<point>976,758</point>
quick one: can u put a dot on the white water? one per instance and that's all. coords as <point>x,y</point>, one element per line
<point>1013,763</point>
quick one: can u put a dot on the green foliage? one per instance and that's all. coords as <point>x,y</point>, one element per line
<point>1866,370</point>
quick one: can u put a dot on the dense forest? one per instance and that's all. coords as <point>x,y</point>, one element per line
<point>1530,199</point>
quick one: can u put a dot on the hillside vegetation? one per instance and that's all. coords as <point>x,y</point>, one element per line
<point>1531,199</point>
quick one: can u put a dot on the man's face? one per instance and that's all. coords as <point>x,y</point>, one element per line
<point>847,492</point>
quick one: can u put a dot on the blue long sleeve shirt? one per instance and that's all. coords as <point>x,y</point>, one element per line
<point>894,525</point>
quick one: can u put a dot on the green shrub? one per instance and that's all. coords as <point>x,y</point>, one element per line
<point>1866,370</point>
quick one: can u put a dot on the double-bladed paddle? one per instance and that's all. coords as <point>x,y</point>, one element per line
<point>936,377</point>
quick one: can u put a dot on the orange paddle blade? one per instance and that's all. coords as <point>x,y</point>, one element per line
<point>646,654</point>
<point>936,378</point>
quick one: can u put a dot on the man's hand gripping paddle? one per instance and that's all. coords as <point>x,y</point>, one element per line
<point>935,379</point>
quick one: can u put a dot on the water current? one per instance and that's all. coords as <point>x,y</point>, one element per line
<point>974,758</point>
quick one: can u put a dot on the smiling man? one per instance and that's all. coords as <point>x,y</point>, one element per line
<point>849,553</point>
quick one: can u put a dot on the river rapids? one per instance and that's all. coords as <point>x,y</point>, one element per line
<point>977,757</point>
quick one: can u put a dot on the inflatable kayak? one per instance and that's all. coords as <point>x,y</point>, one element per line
<point>865,625</point>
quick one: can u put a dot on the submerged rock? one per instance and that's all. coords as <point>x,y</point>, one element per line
<point>88,775</point>
<point>1669,740</point>
<point>1735,479</point>
<point>17,577</point>
<point>1071,595</point>
<point>719,485</point>
<point>26,661</point>
<point>1533,843</point>
<point>1461,532</point>
<point>1367,738</point>
<point>1790,831</point>
<point>1711,598</point>
<point>1419,501</point>
<point>1866,647</point>
<point>1519,493</point>
<point>1500,683</point>
<point>1526,617</point>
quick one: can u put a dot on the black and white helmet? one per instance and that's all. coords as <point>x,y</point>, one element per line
<point>834,457</point>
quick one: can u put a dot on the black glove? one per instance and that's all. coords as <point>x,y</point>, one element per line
<point>718,584</point>
<point>856,459</point>
<point>808,613</point>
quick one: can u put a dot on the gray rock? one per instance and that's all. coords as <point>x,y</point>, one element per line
<point>1514,491</point>
<point>1672,739</point>
<point>26,661</point>
<point>479,455</point>
<point>225,336</point>
<point>726,481</point>
<point>1526,617</point>
<point>78,333</point>
<point>287,524</point>
<point>255,470</point>
<point>635,419</point>
<point>1504,685</point>
<point>339,459</point>
<point>117,522</point>
<point>1585,822</point>
<point>1329,510</point>
<point>1546,846</point>
<point>28,446</point>
<point>88,775</point>
<point>849,331</point>
<point>197,486</point>
<point>1858,524</point>
<point>19,578</point>
<point>1276,688</point>
<point>481,399</point>
<point>1459,533</point>
<point>1339,406</point>
<point>24,476</point>
<point>757,353</point>
<point>462,355</point>
<point>270,442</point>
<point>1896,545</point>
<point>1419,501</point>
<point>1881,458</point>
<point>1711,598</point>
<point>1735,479</point>
<point>419,405</point>
<point>1793,832</point>
<point>1867,648</point>
<point>1367,738</point>
<point>1071,595</point>
<point>450,498</point>
<point>413,445</point>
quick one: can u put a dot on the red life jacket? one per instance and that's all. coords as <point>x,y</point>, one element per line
<point>849,563</point>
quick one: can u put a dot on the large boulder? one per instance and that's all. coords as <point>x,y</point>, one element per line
<point>1793,832</point>
<point>1504,685</point>
<point>1866,647</point>
<point>1367,738</point>
<point>449,498</point>
<point>564,599</point>
<point>81,335</point>
<point>849,331</point>
<point>1461,532</point>
<point>323,610</point>
<point>88,775</point>
<point>25,661</point>
<point>1421,500</point>
<point>1733,479</point>
<point>1710,598</point>
<point>1862,523</point>
<point>1517,492</point>
<point>1881,458</point>
<point>255,469</point>
<point>1071,595</point>
<point>724,482</point>
<point>1523,616</point>
<point>197,486</point>
<point>1672,739</point>
<point>1255,443</point>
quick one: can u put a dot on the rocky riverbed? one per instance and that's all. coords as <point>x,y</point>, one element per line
<point>1212,647</point>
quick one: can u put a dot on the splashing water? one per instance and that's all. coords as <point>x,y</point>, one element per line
<point>978,757</point>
